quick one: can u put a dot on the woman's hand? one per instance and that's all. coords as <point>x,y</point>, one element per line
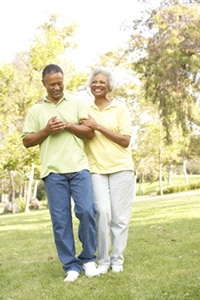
<point>89,122</point>
<point>118,138</point>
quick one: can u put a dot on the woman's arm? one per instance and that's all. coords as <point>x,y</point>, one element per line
<point>118,138</point>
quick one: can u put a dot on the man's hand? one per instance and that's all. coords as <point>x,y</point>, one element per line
<point>55,125</point>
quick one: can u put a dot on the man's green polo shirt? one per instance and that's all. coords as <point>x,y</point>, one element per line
<point>62,152</point>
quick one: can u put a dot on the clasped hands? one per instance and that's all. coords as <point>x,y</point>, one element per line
<point>55,125</point>
<point>89,122</point>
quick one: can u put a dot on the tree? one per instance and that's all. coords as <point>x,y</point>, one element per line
<point>21,88</point>
<point>51,43</point>
<point>166,47</point>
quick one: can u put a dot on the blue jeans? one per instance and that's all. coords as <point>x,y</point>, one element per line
<point>60,188</point>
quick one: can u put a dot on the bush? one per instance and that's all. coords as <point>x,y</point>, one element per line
<point>21,204</point>
<point>181,188</point>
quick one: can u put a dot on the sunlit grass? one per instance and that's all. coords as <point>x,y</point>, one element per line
<point>153,187</point>
<point>161,260</point>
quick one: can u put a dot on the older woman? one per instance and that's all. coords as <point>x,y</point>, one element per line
<point>111,166</point>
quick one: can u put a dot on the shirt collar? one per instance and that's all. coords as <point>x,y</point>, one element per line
<point>63,98</point>
<point>114,103</point>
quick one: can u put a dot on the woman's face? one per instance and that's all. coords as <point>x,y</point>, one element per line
<point>100,85</point>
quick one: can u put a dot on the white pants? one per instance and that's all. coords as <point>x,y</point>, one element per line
<point>113,195</point>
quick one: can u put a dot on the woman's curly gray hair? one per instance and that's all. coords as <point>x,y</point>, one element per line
<point>105,72</point>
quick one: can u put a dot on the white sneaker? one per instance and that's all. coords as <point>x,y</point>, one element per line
<point>102,269</point>
<point>90,269</point>
<point>117,269</point>
<point>71,276</point>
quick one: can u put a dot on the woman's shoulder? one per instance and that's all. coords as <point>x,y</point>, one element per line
<point>118,104</point>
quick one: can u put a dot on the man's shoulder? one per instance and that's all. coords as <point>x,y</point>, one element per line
<point>37,107</point>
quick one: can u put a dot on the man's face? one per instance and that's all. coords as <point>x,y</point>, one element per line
<point>54,86</point>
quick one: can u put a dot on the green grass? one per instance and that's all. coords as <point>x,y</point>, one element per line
<point>148,188</point>
<point>162,259</point>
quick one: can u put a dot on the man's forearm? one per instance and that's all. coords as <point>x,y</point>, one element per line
<point>34,139</point>
<point>81,131</point>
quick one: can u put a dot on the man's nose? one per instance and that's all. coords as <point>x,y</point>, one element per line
<point>56,87</point>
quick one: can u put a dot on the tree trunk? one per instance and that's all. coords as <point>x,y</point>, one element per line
<point>170,175</point>
<point>185,171</point>
<point>135,180</point>
<point>160,172</point>
<point>12,182</point>
<point>28,199</point>
<point>35,189</point>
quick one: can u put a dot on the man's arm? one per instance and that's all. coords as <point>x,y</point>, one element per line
<point>81,131</point>
<point>53,126</point>
<point>120,139</point>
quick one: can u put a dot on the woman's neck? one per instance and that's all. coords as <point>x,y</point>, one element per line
<point>101,103</point>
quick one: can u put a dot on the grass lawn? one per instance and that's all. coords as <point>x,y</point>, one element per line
<point>148,188</point>
<point>162,259</point>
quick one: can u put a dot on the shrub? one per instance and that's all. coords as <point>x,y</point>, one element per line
<point>181,188</point>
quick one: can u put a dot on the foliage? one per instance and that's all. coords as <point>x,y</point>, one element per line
<point>16,161</point>
<point>194,147</point>
<point>41,193</point>
<point>181,188</point>
<point>150,149</point>
<point>166,47</point>
<point>21,87</point>
<point>159,77</point>
<point>177,182</point>
<point>21,204</point>
<point>193,166</point>
<point>51,43</point>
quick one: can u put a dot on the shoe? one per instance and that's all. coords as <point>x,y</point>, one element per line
<point>117,269</point>
<point>90,269</point>
<point>71,276</point>
<point>103,269</point>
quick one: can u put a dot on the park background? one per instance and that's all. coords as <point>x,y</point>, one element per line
<point>156,65</point>
<point>156,70</point>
